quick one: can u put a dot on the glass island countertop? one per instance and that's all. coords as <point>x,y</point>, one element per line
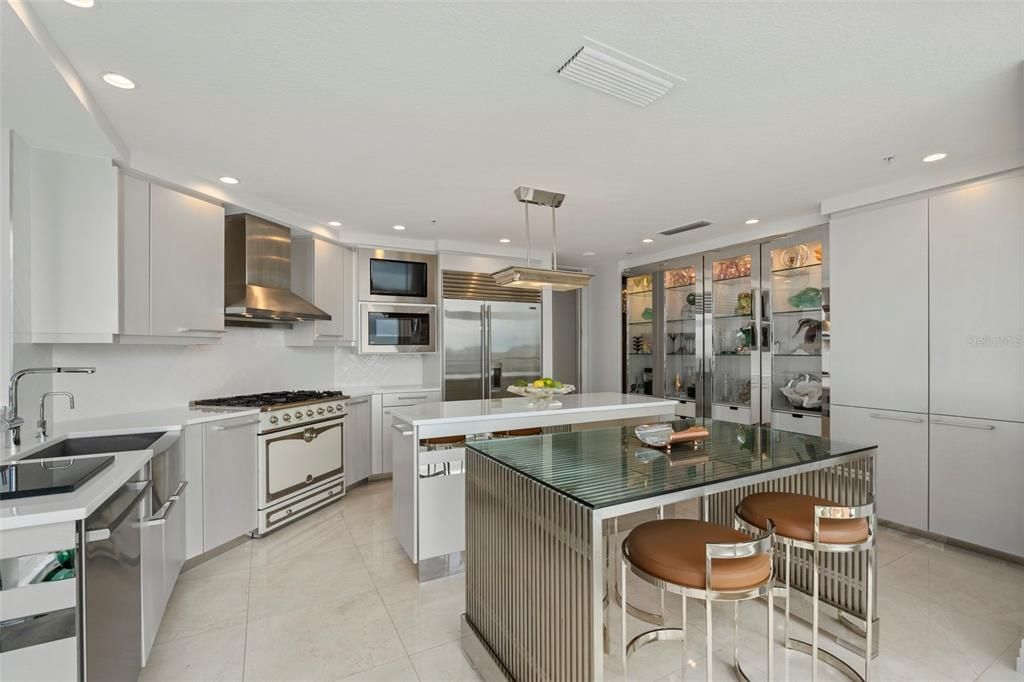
<point>606,467</point>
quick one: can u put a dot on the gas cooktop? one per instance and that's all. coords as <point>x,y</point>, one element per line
<point>271,401</point>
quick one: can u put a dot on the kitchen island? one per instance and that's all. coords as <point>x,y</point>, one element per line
<point>542,525</point>
<point>429,499</point>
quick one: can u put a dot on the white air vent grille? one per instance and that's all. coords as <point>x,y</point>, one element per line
<point>614,76</point>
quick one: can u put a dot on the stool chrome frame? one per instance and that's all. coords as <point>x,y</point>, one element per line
<point>762,544</point>
<point>817,548</point>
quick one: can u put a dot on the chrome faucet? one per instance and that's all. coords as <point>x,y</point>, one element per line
<point>41,433</point>
<point>10,418</point>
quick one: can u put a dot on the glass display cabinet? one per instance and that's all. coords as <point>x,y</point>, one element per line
<point>639,313</point>
<point>796,287</point>
<point>733,334</point>
<point>682,312</point>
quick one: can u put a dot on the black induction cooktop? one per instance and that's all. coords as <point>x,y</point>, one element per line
<point>28,478</point>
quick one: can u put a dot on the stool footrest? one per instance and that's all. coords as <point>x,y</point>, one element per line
<point>655,635</point>
<point>826,658</point>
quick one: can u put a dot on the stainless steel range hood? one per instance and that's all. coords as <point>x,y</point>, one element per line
<point>258,273</point>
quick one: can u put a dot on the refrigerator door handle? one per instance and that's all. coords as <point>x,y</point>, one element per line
<point>487,356</point>
<point>484,369</point>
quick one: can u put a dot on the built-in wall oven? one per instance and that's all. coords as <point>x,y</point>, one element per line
<point>397,277</point>
<point>393,328</point>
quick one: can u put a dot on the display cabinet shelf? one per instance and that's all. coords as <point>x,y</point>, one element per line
<point>799,268</point>
<point>796,311</point>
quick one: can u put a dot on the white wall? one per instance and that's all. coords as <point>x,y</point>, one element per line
<point>603,368</point>
<point>354,370</point>
<point>135,378</point>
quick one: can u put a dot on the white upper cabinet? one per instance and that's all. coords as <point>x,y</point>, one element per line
<point>172,250</point>
<point>323,273</point>
<point>879,308</point>
<point>73,249</point>
<point>977,301</point>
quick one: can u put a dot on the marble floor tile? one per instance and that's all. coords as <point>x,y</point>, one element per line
<point>210,655</point>
<point>390,567</point>
<point>306,581</point>
<point>205,603</point>
<point>400,670</point>
<point>235,559</point>
<point>432,616</point>
<point>322,642</point>
<point>319,533</point>
<point>445,663</point>
<point>372,526</point>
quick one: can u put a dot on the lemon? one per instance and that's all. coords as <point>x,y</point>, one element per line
<point>539,383</point>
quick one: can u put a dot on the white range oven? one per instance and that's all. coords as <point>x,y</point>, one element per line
<point>300,452</point>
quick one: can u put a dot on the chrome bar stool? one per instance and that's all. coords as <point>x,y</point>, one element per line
<point>701,560</point>
<point>820,526</point>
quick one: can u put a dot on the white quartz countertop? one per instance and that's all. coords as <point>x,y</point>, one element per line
<point>46,509</point>
<point>360,391</point>
<point>464,411</point>
<point>172,419</point>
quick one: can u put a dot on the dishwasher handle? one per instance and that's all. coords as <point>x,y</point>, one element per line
<point>160,517</point>
<point>105,533</point>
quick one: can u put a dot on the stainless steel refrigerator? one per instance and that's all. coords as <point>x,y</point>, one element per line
<point>488,345</point>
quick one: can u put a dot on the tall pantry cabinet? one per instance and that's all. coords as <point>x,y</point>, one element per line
<point>927,355</point>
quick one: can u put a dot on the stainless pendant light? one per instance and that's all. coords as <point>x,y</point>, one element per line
<point>526,277</point>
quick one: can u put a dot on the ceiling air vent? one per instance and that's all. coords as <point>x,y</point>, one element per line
<point>613,76</point>
<point>685,228</point>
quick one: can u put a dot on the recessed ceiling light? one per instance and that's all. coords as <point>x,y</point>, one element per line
<point>934,157</point>
<point>753,221</point>
<point>398,227</point>
<point>228,180</point>
<point>334,223</point>
<point>505,241</point>
<point>588,254</point>
<point>118,81</point>
<point>648,241</point>
<point>81,3</point>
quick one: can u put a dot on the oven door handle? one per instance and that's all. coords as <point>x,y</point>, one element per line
<point>308,434</point>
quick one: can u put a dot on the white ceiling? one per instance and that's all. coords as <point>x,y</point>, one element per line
<point>384,113</point>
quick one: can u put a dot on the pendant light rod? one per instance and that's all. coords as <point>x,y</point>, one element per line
<point>526,208</point>
<point>554,242</point>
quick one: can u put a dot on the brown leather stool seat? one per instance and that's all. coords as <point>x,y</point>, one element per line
<point>674,550</point>
<point>793,515</point>
<point>535,431</point>
<point>444,440</point>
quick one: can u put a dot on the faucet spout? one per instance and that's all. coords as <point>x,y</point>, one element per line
<point>10,414</point>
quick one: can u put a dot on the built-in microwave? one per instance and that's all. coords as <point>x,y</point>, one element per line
<point>397,277</point>
<point>397,328</point>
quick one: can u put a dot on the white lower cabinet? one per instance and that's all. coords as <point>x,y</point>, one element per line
<point>358,440</point>
<point>977,479</point>
<point>901,466</point>
<point>229,480</point>
<point>384,464</point>
<point>807,424</point>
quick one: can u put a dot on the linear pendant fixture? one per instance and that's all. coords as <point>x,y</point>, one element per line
<point>595,69</point>
<point>521,277</point>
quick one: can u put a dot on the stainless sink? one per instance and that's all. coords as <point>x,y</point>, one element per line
<point>76,447</point>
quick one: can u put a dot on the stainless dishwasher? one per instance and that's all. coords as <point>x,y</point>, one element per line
<point>111,586</point>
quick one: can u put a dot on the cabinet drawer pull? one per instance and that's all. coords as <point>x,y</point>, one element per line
<point>217,427</point>
<point>980,427</point>
<point>894,418</point>
<point>412,397</point>
<point>199,330</point>
<point>359,402</point>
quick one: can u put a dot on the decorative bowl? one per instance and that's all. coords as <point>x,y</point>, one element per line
<point>542,393</point>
